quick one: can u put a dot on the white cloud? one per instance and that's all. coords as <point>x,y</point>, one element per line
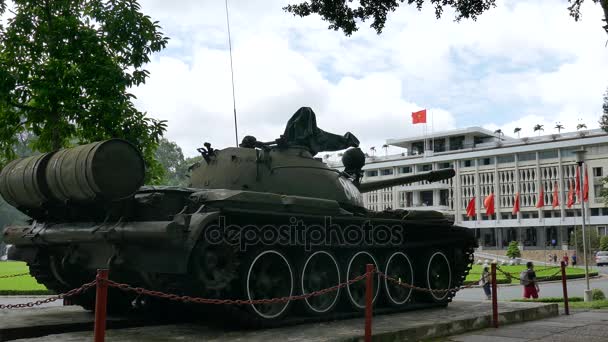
<point>520,64</point>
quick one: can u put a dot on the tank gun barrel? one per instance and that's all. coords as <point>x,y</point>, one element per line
<point>433,176</point>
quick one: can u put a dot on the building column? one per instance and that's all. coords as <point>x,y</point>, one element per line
<point>497,192</point>
<point>457,194</point>
<point>561,186</point>
<point>478,199</point>
<point>517,187</point>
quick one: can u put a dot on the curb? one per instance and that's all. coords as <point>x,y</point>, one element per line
<point>440,329</point>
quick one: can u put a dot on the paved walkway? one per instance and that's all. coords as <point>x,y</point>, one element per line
<point>588,326</point>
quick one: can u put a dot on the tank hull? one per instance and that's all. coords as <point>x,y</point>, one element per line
<point>245,245</point>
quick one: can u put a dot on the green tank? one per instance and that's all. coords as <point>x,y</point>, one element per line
<point>262,220</point>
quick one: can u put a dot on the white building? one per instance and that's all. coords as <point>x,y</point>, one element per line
<point>504,166</point>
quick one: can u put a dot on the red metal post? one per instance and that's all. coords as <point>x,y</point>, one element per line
<point>565,287</point>
<point>494,297</point>
<point>369,290</point>
<point>101,305</point>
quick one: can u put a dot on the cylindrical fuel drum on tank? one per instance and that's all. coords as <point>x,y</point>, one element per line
<point>110,169</point>
<point>23,183</point>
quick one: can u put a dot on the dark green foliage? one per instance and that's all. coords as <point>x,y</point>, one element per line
<point>65,70</point>
<point>597,294</point>
<point>591,235</point>
<point>175,167</point>
<point>344,15</point>
<point>513,250</point>
<point>604,243</point>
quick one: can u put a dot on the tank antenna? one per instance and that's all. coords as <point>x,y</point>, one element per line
<point>236,130</point>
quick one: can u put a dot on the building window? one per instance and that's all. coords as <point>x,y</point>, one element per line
<point>486,161</point>
<point>569,152</point>
<point>425,167</point>
<point>601,231</point>
<point>406,169</point>
<point>466,163</point>
<point>445,166</point>
<point>456,143</point>
<point>439,145</point>
<point>597,190</point>
<point>597,172</point>
<point>386,172</point>
<point>426,197</point>
<point>417,148</point>
<point>526,156</point>
<point>406,199</point>
<point>372,173</point>
<point>444,196</point>
<point>505,216</point>
<point>549,154</point>
<point>530,237</point>
<point>595,211</point>
<point>509,158</point>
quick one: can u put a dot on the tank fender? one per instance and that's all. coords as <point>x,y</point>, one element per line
<point>198,222</point>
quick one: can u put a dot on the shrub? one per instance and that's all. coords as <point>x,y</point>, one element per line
<point>513,250</point>
<point>597,294</point>
<point>604,243</point>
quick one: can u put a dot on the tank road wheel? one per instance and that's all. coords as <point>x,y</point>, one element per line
<point>356,267</point>
<point>214,268</point>
<point>320,271</point>
<point>269,276</point>
<point>438,276</point>
<point>398,267</point>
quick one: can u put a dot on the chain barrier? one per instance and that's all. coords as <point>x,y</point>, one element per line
<point>198,300</point>
<point>14,275</point>
<point>422,289</point>
<point>70,293</point>
<point>510,276</point>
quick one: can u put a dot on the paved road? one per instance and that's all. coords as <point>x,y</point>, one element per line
<point>576,288</point>
<point>582,326</point>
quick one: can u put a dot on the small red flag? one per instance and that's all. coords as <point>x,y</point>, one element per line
<point>488,203</point>
<point>471,208</point>
<point>578,184</point>
<point>586,186</point>
<point>419,117</point>
<point>541,198</point>
<point>555,196</point>
<point>570,196</point>
<point>516,206</point>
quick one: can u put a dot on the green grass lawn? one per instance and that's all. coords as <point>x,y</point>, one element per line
<point>18,285</point>
<point>573,302</point>
<point>541,271</point>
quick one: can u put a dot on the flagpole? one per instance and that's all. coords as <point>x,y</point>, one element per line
<point>432,132</point>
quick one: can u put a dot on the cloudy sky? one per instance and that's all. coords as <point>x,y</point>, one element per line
<point>523,63</point>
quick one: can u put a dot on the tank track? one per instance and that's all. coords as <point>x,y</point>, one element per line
<point>42,270</point>
<point>240,316</point>
<point>232,316</point>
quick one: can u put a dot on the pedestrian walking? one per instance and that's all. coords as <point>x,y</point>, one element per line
<point>550,258</point>
<point>485,281</point>
<point>566,258</point>
<point>527,278</point>
<point>573,259</point>
<point>555,258</point>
